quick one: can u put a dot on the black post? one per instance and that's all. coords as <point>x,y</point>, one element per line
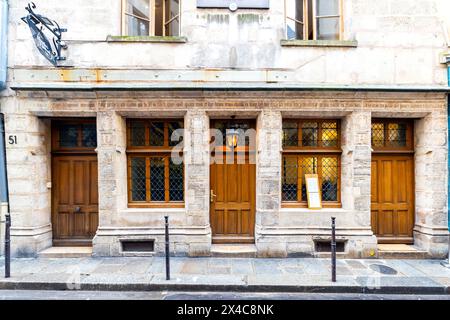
<point>7,246</point>
<point>333,249</point>
<point>167,249</point>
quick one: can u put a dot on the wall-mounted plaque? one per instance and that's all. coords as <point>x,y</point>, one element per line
<point>235,4</point>
<point>313,191</point>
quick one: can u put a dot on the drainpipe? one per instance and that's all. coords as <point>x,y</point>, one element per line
<point>4,194</point>
<point>448,116</point>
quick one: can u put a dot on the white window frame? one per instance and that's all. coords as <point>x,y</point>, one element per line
<point>152,15</point>
<point>315,18</point>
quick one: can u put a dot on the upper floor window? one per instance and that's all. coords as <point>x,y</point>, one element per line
<point>151,17</point>
<point>314,19</point>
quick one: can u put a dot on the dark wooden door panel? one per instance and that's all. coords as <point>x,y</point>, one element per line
<point>74,198</point>
<point>233,205</point>
<point>392,198</point>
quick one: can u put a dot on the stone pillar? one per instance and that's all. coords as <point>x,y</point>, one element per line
<point>356,181</point>
<point>112,178</point>
<point>29,176</point>
<point>431,171</point>
<point>197,162</point>
<point>268,181</point>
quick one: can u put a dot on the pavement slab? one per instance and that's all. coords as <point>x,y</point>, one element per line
<point>241,274</point>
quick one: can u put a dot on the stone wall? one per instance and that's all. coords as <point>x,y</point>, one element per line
<point>402,40</point>
<point>280,231</point>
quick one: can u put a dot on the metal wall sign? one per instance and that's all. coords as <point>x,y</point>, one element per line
<point>46,34</point>
<point>234,4</point>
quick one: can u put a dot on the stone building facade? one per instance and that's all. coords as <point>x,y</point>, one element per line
<point>381,68</point>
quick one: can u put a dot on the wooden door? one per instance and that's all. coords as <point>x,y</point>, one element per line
<point>75,199</point>
<point>392,195</point>
<point>233,202</point>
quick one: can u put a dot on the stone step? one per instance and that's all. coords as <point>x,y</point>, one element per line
<point>400,251</point>
<point>66,252</point>
<point>234,250</point>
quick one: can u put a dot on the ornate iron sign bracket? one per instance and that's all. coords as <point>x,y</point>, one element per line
<point>47,35</point>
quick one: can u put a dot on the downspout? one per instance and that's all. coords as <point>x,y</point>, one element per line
<point>4,194</point>
<point>448,142</point>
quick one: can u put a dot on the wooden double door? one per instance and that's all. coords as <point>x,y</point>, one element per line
<point>232,201</point>
<point>392,197</point>
<point>75,199</point>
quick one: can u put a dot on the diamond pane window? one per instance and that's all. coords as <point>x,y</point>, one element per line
<point>310,131</point>
<point>74,134</point>
<point>296,167</point>
<point>137,134</point>
<point>173,126</point>
<point>157,134</point>
<point>290,134</point>
<point>157,183</point>
<point>68,136</point>
<point>329,134</point>
<point>153,177</point>
<point>392,134</point>
<point>311,147</point>
<point>329,179</point>
<point>89,134</point>
<point>377,134</point>
<point>290,179</point>
<point>176,182</point>
<point>138,179</point>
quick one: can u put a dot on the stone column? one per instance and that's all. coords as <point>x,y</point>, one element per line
<point>112,178</point>
<point>268,181</point>
<point>29,176</point>
<point>431,171</point>
<point>197,161</point>
<point>356,181</point>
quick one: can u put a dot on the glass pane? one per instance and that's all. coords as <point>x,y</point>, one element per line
<point>137,15</point>
<point>328,29</point>
<point>157,134</point>
<point>330,179</point>
<point>309,166</point>
<point>89,132</point>
<point>176,182</point>
<point>377,134</point>
<point>159,21</point>
<point>329,134</point>
<point>175,125</point>
<point>397,134</point>
<point>157,187</point>
<point>172,10</point>
<point>327,7</point>
<point>310,131</point>
<point>68,136</point>
<point>138,179</point>
<point>137,134</point>
<point>294,11</point>
<point>290,134</point>
<point>290,179</point>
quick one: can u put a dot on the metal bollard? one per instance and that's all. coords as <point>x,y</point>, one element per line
<point>167,249</point>
<point>333,249</point>
<point>7,245</point>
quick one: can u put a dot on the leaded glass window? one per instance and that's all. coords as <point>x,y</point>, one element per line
<point>153,176</point>
<point>74,135</point>
<point>311,147</point>
<point>391,134</point>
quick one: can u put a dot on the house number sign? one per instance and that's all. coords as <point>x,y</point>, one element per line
<point>233,5</point>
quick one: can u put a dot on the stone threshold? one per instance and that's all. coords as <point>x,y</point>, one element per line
<point>234,250</point>
<point>400,251</point>
<point>66,252</point>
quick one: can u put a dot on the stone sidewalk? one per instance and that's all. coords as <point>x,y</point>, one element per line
<point>229,274</point>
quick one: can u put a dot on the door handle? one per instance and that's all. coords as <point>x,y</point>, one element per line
<point>212,195</point>
<point>77,209</point>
